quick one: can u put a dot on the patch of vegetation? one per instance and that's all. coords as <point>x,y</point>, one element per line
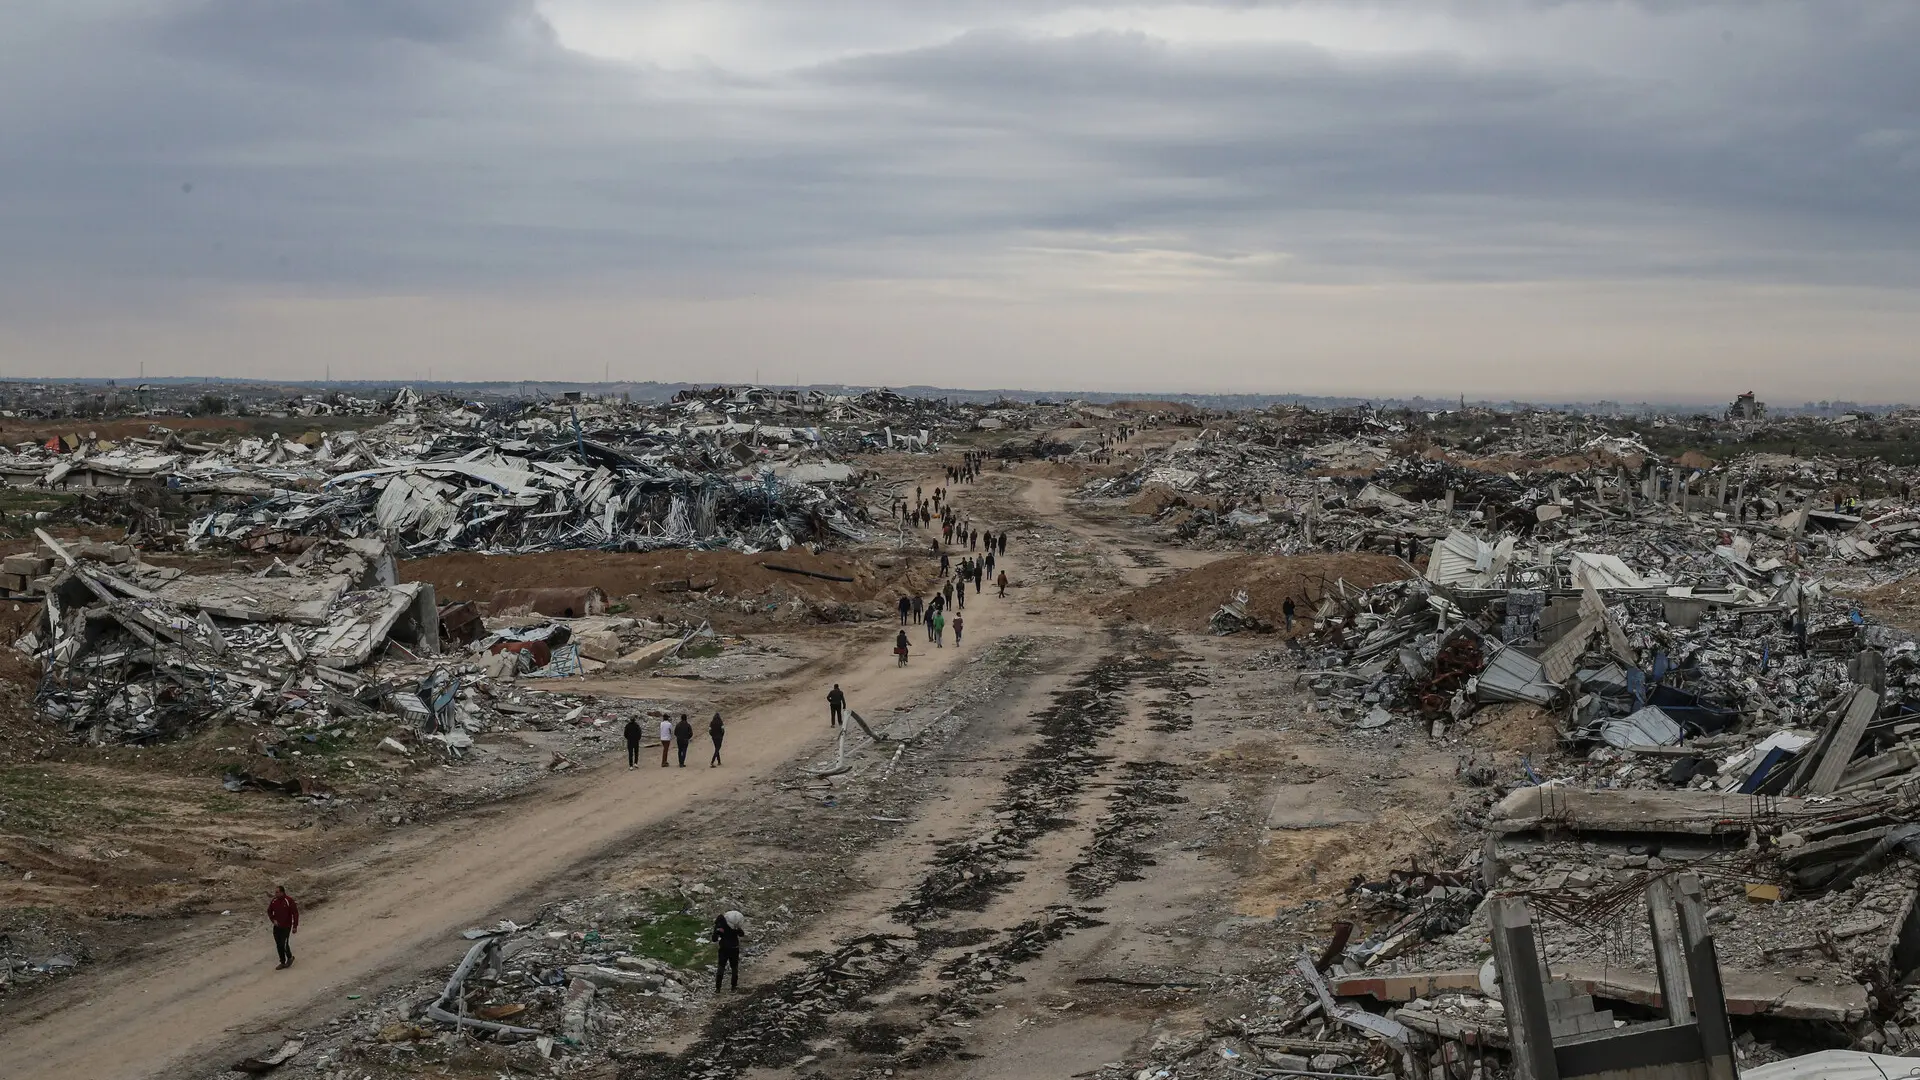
<point>35,799</point>
<point>672,934</point>
<point>14,500</point>
<point>702,650</point>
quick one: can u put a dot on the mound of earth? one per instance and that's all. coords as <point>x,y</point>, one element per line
<point>471,576</point>
<point>1188,599</point>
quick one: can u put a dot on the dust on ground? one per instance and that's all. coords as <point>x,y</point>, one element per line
<point>733,591</point>
<point>1188,599</point>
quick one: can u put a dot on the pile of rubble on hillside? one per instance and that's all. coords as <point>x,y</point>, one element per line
<point>746,468</point>
<point>135,652</point>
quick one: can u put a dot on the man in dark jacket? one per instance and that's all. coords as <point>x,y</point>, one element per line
<point>727,934</point>
<point>836,704</point>
<point>633,733</point>
<point>284,914</point>
<point>716,731</point>
<point>682,736</point>
<point>1002,538</point>
<point>1286,610</point>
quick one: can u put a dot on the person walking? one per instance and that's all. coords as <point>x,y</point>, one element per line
<point>979,575</point>
<point>988,536</point>
<point>939,625</point>
<point>900,647</point>
<point>1286,609</point>
<point>683,737</point>
<point>836,704</point>
<point>633,733</point>
<point>1002,582</point>
<point>990,562</point>
<point>946,565</point>
<point>906,607</point>
<point>946,593</point>
<point>960,596</point>
<point>916,608</point>
<point>959,624</point>
<point>1003,544</point>
<point>717,731</point>
<point>666,738</point>
<point>284,914</point>
<point>728,930</point>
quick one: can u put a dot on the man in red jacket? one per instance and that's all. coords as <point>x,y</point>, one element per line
<point>285,916</point>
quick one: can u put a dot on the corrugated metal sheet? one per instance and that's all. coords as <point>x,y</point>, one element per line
<point>1648,727</point>
<point>1512,675</point>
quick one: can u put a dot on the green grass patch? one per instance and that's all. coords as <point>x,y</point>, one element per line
<point>671,935</point>
<point>15,500</point>
<point>43,802</point>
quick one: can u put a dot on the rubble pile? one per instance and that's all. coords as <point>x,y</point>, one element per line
<point>134,652</point>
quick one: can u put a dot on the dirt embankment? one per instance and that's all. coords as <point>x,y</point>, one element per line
<point>1186,600</point>
<point>191,428</point>
<point>652,575</point>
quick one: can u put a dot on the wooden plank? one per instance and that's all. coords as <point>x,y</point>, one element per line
<point>1826,777</point>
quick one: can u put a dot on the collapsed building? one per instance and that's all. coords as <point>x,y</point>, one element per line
<point>1726,714</point>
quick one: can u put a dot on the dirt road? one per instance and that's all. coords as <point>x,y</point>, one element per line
<point>412,897</point>
<point>400,906</point>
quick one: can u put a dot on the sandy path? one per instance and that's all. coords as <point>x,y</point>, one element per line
<point>150,1017</point>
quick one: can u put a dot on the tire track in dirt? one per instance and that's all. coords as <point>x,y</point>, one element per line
<point>774,1025</point>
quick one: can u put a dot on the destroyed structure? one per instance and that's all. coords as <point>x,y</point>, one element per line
<point>1727,846</point>
<point>1687,631</point>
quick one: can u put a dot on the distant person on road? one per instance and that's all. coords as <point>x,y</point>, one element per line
<point>666,738</point>
<point>916,608</point>
<point>959,624</point>
<point>906,608</point>
<point>1286,609</point>
<point>988,537</point>
<point>682,737</point>
<point>979,575</point>
<point>900,648</point>
<point>946,594</point>
<point>728,930</point>
<point>633,733</point>
<point>989,562</point>
<point>284,914</point>
<point>946,564</point>
<point>939,625</point>
<point>1003,543</point>
<point>836,704</point>
<point>717,731</point>
<point>1002,582</point>
<point>960,596</point>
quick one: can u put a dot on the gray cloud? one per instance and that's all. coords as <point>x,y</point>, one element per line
<point>429,146</point>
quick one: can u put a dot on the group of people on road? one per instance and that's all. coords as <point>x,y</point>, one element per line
<point>671,735</point>
<point>986,551</point>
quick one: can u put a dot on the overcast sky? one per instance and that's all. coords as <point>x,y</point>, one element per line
<point>1659,199</point>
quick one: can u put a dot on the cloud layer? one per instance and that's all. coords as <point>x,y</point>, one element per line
<point>173,162</point>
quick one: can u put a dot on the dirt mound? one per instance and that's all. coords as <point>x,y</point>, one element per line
<point>1187,600</point>
<point>1896,603</point>
<point>469,576</point>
